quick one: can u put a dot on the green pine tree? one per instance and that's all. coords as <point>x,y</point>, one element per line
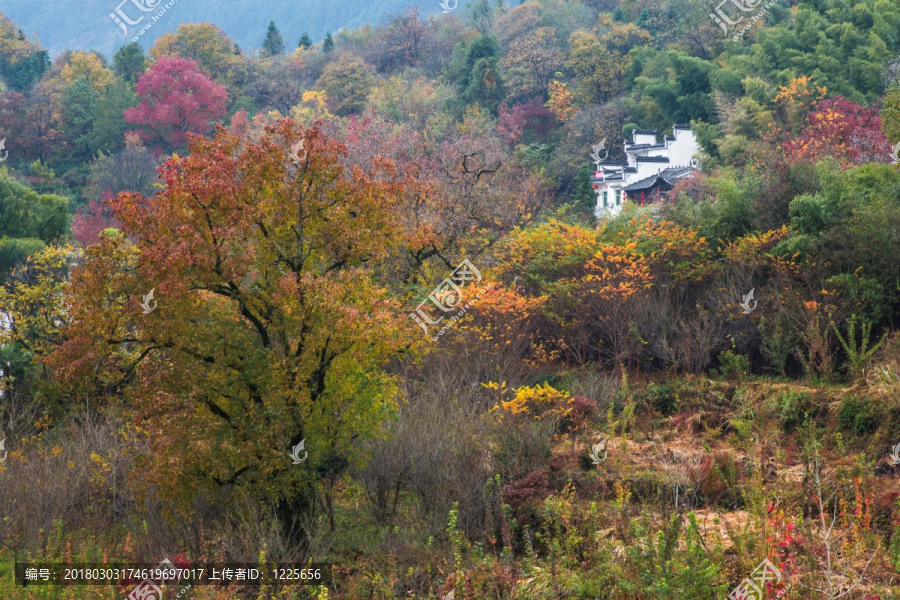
<point>274,43</point>
<point>328,44</point>
<point>305,41</point>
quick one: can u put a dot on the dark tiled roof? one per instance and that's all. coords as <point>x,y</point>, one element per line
<point>617,177</point>
<point>674,173</point>
<point>680,126</point>
<point>657,159</point>
<point>644,131</point>
<point>664,179</point>
<point>643,184</point>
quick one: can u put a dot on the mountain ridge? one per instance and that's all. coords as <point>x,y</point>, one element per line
<point>91,28</point>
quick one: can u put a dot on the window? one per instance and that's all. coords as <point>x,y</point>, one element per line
<point>605,198</point>
<point>618,197</point>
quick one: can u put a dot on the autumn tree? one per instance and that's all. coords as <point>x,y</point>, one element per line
<point>279,82</point>
<point>270,329</point>
<point>470,194</point>
<point>176,99</point>
<point>91,220</point>
<point>90,66</point>
<point>842,129</point>
<point>132,169</point>
<point>347,82</point>
<point>204,43</point>
<point>42,127</point>
<point>599,72</point>
<point>531,62</point>
<point>404,40</point>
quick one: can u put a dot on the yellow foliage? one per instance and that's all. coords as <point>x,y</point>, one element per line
<point>536,401</point>
<point>312,107</point>
<point>88,65</point>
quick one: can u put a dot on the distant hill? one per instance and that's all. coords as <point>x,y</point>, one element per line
<point>86,24</point>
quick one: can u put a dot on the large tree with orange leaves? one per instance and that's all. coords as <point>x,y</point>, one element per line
<point>270,327</point>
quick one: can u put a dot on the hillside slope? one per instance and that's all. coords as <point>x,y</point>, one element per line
<point>87,25</point>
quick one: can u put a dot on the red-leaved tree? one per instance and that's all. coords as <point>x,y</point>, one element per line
<point>93,219</point>
<point>843,129</point>
<point>176,99</point>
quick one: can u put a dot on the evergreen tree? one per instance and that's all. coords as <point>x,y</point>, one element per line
<point>584,197</point>
<point>484,46</point>
<point>305,41</point>
<point>26,73</point>
<point>129,62</point>
<point>486,87</point>
<point>328,44</point>
<point>274,43</point>
<point>618,15</point>
<point>644,21</point>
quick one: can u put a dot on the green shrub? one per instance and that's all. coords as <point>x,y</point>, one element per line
<point>857,415</point>
<point>794,410</point>
<point>661,398</point>
<point>733,366</point>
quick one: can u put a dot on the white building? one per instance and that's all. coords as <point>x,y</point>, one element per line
<point>651,168</point>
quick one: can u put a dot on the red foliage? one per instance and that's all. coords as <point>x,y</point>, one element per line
<point>714,472</point>
<point>13,107</point>
<point>531,117</point>
<point>533,487</point>
<point>176,99</point>
<point>90,221</point>
<point>577,412</point>
<point>843,129</point>
<point>240,124</point>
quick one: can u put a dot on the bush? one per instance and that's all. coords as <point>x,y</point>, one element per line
<point>794,409</point>
<point>661,398</point>
<point>733,366</point>
<point>857,415</point>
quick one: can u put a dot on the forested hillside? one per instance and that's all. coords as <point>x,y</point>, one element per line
<point>350,300</point>
<point>86,25</point>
